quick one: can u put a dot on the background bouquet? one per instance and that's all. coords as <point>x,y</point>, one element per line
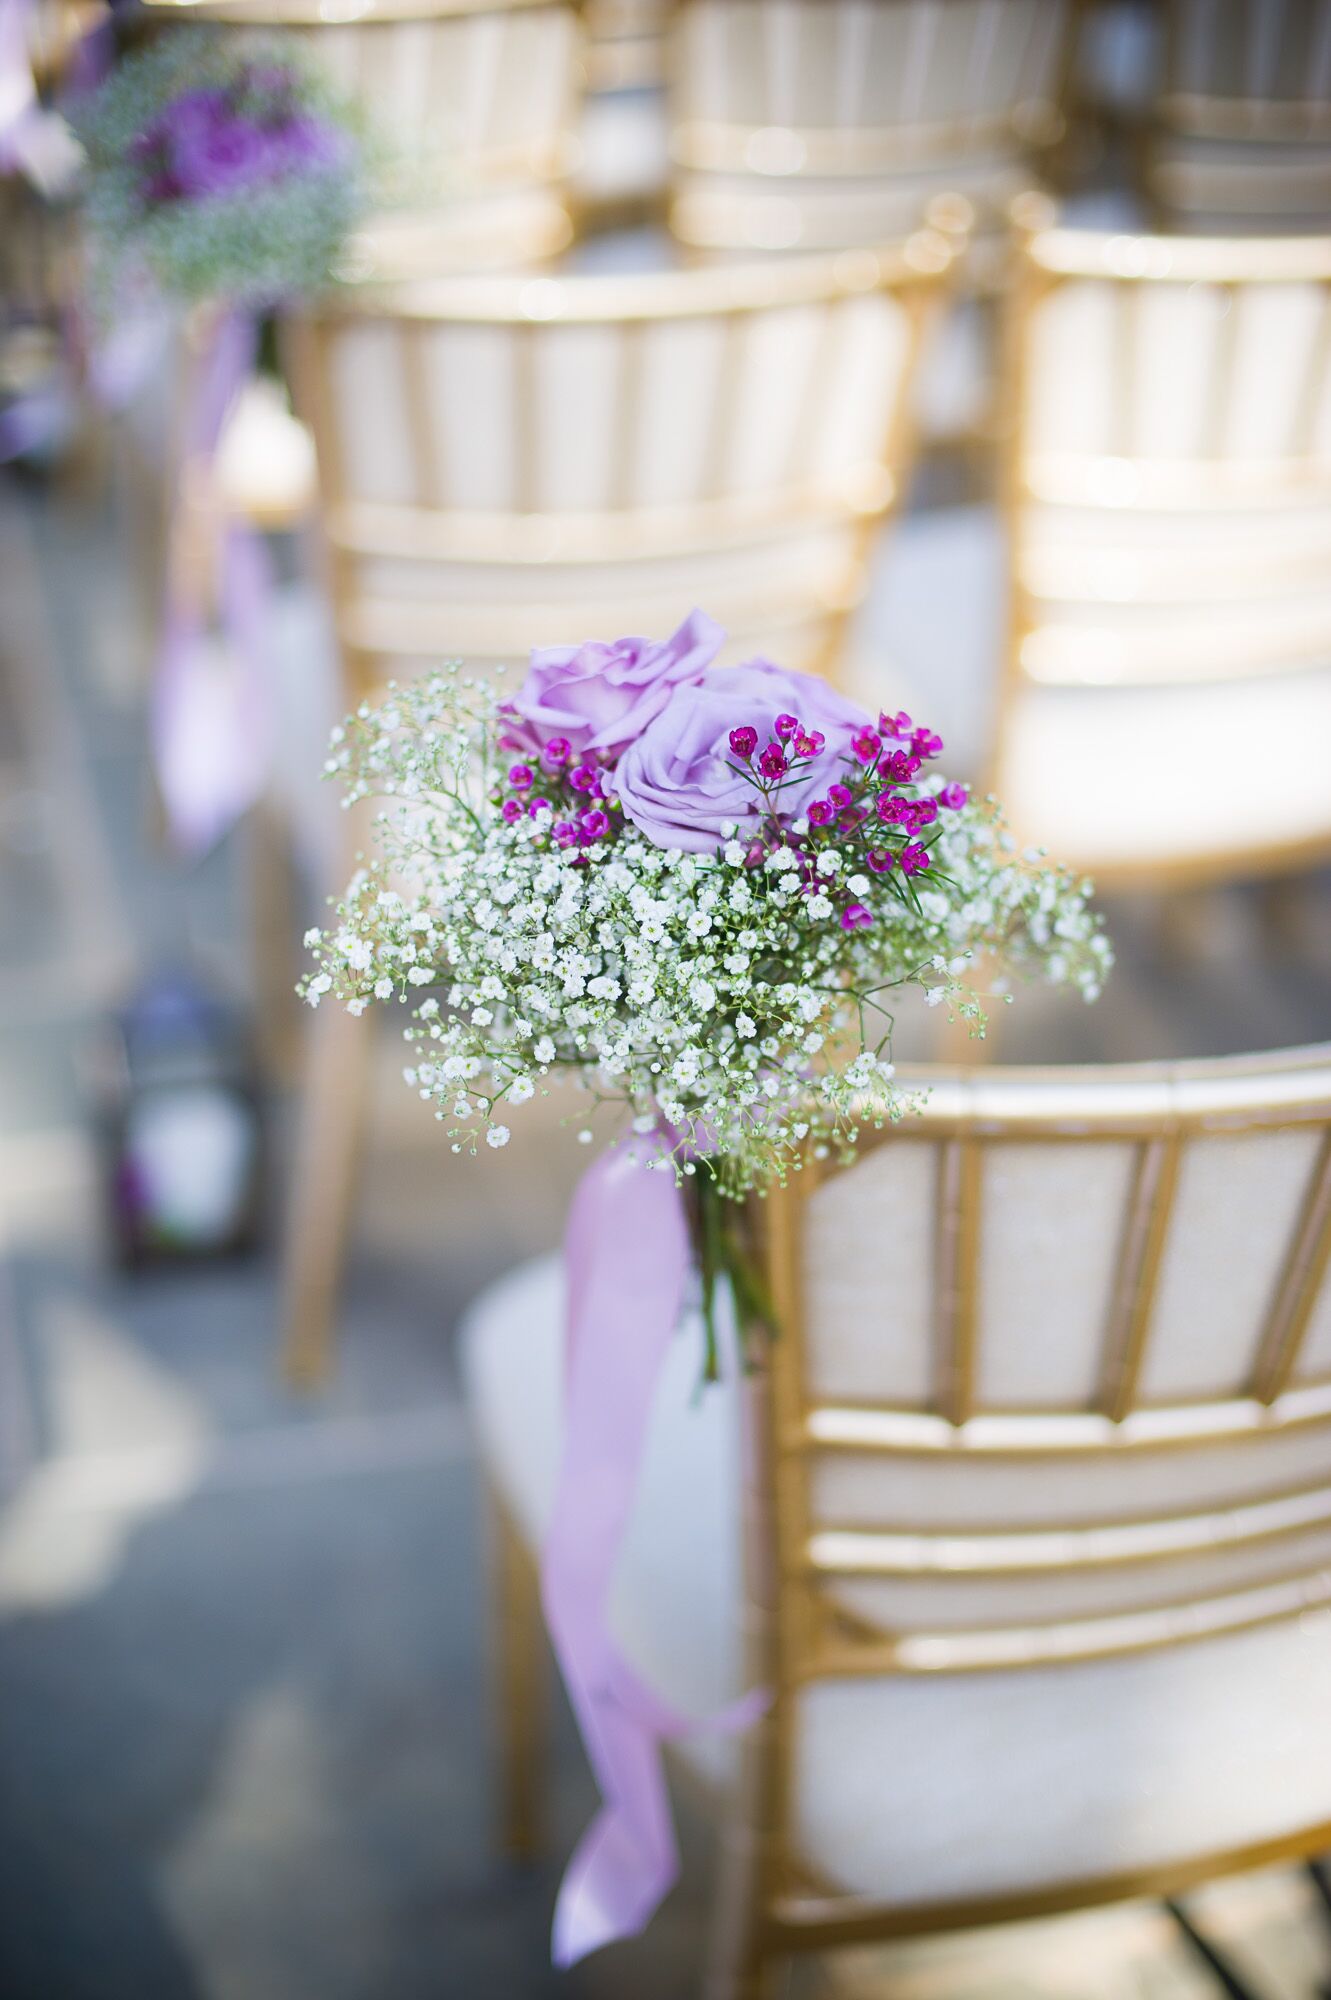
<point>222,167</point>
<point>699,893</point>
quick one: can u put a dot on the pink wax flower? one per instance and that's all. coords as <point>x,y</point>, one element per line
<point>810,743</point>
<point>744,742</point>
<point>856,918</point>
<point>602,695</point>
<point>595,824</point>
<point>953,797</point>
<point>787,726</point>
<point>511,810</point>
<point>678,783</point>
<point>772,763</point>
<point>564,832</point>
<point>898,726</point>
<point>924,812</point>
<point>819,813</point>
<point>866,745</point>
<point>585,778</point>
<point>880,859</point>
<point>914,858</point>
<point>538,806</point>
<point>521,777</point>
<point>839,796</point>
<point>900,767</point>
<point>890,809</point>
<point>925,743</point>
<point>555,753</point>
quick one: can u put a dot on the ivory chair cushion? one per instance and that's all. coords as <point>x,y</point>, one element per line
<point>914,1788</point>
<point>1127,777</point>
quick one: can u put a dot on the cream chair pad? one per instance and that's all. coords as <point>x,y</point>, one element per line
<point>919,1787</point>
<point>1122,777</point>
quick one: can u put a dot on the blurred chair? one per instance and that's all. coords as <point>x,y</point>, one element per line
<point>623,165</point>
<point>1038,1510</point>
<point>1242,126</point>
<point>1166,711</point>
<point>478,102</point>
<point>626,43</point>
<point>813,123</point>
<point>507,463</point>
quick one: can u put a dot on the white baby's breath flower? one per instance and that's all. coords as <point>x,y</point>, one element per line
<point>497,1135</point>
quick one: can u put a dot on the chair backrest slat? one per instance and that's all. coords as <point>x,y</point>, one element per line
<point>1092,1284</point>
<point>538,442</point>
<point>804,122</point>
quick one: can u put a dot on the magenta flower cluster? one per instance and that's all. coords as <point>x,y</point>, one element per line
<point>563,795</point>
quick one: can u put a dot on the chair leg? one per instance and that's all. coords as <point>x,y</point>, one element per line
<point>739,1968</point>
<point>1226,1979</point>
<point>274,935</point>
<point>332,1119</point>
<point>519,1682</point>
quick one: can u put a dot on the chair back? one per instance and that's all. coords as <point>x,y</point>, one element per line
<point>506,463</point>
<point>1169,520</point>
<point>1051,1379</point>
<point>810,123</point>
<point>1242,128</point>
<point>477,99</point>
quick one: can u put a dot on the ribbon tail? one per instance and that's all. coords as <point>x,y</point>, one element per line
<point>628,1260</point>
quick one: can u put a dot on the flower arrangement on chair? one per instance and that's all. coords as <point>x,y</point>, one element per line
<point>220,169</point>
<point>696,892</point>
<point>223,176</point>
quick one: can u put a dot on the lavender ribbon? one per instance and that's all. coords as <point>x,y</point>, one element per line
<point>627,1260</point>
<point>211,716</point>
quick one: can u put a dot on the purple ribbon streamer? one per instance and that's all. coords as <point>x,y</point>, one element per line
<point>627,1259</point>
<point>211,716</point>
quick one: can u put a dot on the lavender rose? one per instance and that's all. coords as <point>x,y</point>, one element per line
<point>600,696</point>
<point>679,783</point>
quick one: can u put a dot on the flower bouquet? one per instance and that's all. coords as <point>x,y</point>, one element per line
<point>223,176</point>
<point>220,167</point>
<point>698,894</point>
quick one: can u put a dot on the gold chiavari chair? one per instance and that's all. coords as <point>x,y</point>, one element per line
<point>626,43</point>
<point>1169,530</point>
<point>1037,1467</point>
<point>1241,136</point>
<point>512,462</point>
<point>476,102</point>
<point>809,123</point>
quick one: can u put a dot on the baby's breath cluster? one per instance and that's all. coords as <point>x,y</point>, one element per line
<point>737,1001</point>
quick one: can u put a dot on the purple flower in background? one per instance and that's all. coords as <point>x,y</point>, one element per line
<point>914,858</point>
<point>678,784</point>
<point>856,918</point>
<point>601,696</point>
<point>772,763</point>
<point>953,797</point>
<point>744,742</point>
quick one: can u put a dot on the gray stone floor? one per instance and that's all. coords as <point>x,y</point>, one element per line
<point>242,1663</point>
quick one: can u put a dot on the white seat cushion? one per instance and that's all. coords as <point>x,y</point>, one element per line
<point>912,1788</point>
<point>1142,776</point>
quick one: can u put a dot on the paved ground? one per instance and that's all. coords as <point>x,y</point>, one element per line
<point>242,1679</point>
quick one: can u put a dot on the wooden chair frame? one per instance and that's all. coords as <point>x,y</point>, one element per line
<point>781,157</point>
<point>771,1908</point>
<point>1044,257</point>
